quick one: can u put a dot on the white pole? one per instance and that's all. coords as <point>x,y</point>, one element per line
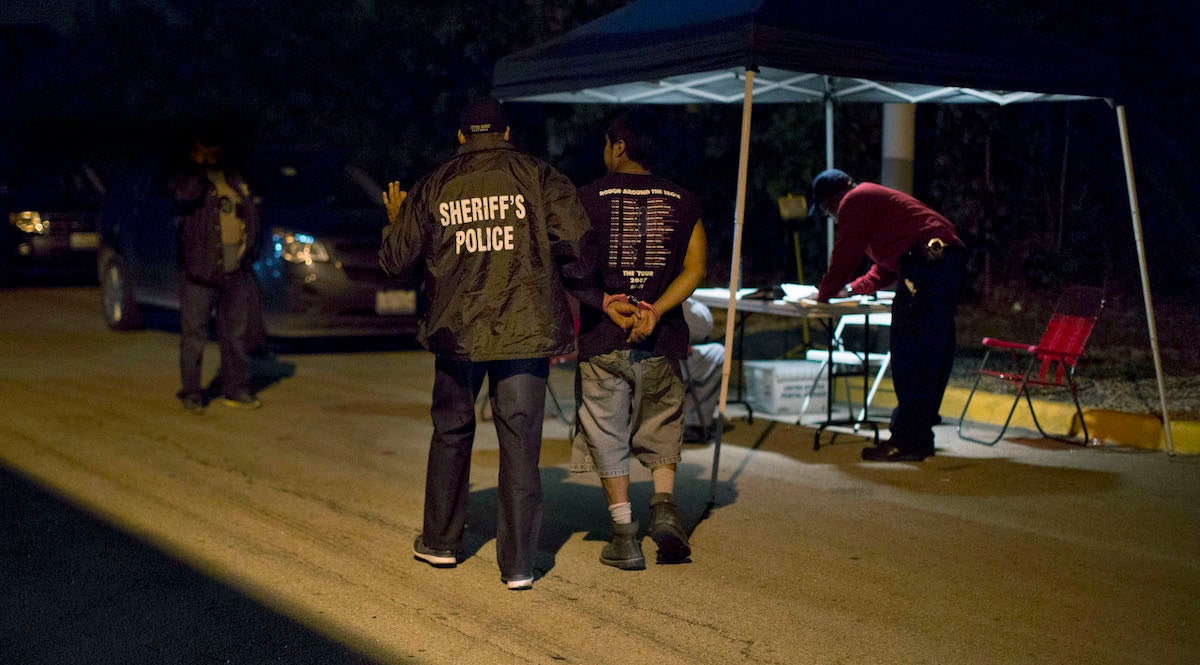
<point>899,146</point>
<point>1136,215</point>
<point>828,157</point>
<point>739,211</point>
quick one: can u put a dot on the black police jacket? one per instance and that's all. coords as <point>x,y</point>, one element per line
<point>493,235</point>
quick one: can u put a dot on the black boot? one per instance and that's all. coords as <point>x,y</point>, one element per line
<point>667,530</point>
<point>889,452</point>
<point>624,551</point>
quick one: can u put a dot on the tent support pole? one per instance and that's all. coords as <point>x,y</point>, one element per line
<point>828,157</point>
<point>739,212</point>
<point>828,122</point>
<point>1136,215</point>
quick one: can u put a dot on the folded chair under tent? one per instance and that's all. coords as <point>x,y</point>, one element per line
<point>570,359</point>
<point>848,362</point>
<point>567,419</point>
<point>691,400</point>
<point>1051,364</point>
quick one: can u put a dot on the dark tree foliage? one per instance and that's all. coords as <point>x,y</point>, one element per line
<point>44,87</point>
<point>383,79</point>
<point>1037,189</point>
<point>1046,193</point>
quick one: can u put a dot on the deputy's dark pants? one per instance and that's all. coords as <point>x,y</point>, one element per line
<point>517,390</point>
<point>232,293</point>
<point>923,346</point>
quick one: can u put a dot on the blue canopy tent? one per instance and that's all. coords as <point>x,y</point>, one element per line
<point>789,51</point>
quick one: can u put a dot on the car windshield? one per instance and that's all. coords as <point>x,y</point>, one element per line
<point>50,183</point>
<point>307,178</point>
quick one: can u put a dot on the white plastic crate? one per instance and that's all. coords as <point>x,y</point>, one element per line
<point>779,386</point>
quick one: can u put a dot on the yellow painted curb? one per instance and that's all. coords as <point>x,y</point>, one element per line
<point>1141,430</point>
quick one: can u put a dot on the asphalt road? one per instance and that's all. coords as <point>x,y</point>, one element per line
<point>136,533</point>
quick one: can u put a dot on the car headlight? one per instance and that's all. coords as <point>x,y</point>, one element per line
<point>295,247</point>
<point>30,221</point>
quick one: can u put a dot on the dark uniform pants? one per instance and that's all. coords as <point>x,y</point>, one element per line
<point>517,390</point>
<point>923,345</point>
<point>232,294</point>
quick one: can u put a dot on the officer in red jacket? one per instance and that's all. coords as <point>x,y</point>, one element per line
<point>918,249</point>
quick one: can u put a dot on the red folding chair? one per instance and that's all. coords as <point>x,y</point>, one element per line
<point>1052,361</point>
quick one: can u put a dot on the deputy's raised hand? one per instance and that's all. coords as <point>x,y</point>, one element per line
<point>392,199</point>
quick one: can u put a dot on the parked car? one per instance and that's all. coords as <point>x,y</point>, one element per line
<point>319,273</point>
<point>50,208</point>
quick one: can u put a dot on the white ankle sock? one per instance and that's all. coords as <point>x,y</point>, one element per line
<point>622,513</point>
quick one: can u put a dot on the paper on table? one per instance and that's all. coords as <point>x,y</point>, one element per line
<point>721,293</point>
<point>851,302</point>
<point>794,292</point>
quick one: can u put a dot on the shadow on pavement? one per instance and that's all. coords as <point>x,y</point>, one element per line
<point>577,507</point>
<point>944,474</point>
<point>265,371</point>
<point>77,590</point>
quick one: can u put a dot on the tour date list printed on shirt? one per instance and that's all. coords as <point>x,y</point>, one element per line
<point>640,236</point>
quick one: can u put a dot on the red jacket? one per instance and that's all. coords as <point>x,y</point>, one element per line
<point>883,224</point>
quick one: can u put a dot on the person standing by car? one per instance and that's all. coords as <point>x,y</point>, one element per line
<point>217,231</point>
<point>911,243</point>
<point>493,234</point>
<point>632,341</point>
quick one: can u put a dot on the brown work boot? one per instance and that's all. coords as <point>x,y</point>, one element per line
<point>667,530</point>
<point>624,551</point>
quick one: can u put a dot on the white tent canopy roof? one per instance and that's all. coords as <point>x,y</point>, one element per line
<point>682,51</point>
<point>773,85</point>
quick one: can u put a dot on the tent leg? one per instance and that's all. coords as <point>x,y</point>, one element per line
<point>712,486</point>
<point>1136,215</point>
<point>734,272</point>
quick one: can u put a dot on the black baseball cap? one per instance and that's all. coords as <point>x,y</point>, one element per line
<point>827,183</point>
<point>483,115</point>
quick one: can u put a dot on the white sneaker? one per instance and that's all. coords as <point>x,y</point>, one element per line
<point>522,584</point>
<point>432,556</point>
